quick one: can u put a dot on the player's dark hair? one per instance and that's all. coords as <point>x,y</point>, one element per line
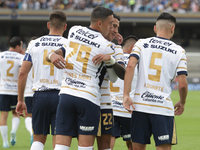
<point>129,37</point>
<point>57,19</point>
<point>166,16</point>
<point>116,16</point>
<point>14,41</point>
<point>100,13</point>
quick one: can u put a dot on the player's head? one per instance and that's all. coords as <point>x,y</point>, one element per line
<point>101,20</point>
<point>16,43</point>
<point>57,20</point>
<point>128,43</point>
<point>111,35</point>
<point>165,24</point>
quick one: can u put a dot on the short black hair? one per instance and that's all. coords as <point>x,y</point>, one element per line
<point>14,41</point>
<point>129,37</point>
<point>100,13</point>
<point>57,18</point>
<point>116,16</point>
<point>166,16</point>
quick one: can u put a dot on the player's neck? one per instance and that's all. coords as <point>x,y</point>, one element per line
<point>12,49</point>
<point>53,32</point>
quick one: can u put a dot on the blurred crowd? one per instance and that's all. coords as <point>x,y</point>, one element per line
<point>180,6</point>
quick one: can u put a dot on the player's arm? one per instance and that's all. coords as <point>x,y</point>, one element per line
<point>57,58</point>
<point>23,73</point>
<point>118,69</point>
<point>183,89</point>
<point>127,101</point>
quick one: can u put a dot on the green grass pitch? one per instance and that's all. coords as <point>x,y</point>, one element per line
<point>188,129</point>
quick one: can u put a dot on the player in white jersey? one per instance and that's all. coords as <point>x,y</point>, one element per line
<point>159,60</point>
<point>28,95</point>
<point>103,140</point>
<point>122,117</point>
<point>10,62</point>
<point>79,106</point>
<point>47,79</point>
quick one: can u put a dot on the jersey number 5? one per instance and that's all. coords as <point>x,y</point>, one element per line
<point>155,67</point>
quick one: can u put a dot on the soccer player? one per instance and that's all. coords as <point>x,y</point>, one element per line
<point>122,117</point>
<point>79,106</point>
<point>159,60</point>
<point>104,139</point>
<point>28,95</point>
<point>10,62</point>
<point>47,80</point>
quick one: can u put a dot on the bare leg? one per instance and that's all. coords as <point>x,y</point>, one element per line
<point>137,146</point>
<point>164,147</point>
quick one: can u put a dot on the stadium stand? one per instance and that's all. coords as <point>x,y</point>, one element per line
<point>180,6</point>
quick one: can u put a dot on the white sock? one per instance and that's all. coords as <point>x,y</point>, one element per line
<point>37,146</point>
<point>28,124</point>
<point>61,147</point>
<point>107,149</point>
<point>4,132</point>
<point>15,124</point>
<point>85,148</point>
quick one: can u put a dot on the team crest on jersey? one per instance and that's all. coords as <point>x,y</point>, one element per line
<point>146,45</point>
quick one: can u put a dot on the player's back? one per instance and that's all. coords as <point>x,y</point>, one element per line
<point>46,76</point>
<point>81,75</point>
<point>10,62</point>
<point>117,90</point>
<point>160,60</point>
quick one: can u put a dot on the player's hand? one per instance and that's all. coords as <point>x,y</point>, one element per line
<point>179,108</point>
<point>119,38</point>
<point>98,59</point>
<point>127,102</point>
<point>58,61</point>
<point>20,108</point>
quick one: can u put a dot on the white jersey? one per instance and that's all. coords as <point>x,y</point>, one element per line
<point>10,62</point>
<point>81,76</point>
<point>160,60</point>
<point>105,87</point>
<point>117,90</point>
<point>29,84</point>
<point>46,76</point>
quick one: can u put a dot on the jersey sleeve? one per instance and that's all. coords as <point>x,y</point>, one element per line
<point>27,56</point>
<point>119,56</point>
<point>182,66</point>
<point>136,51</point>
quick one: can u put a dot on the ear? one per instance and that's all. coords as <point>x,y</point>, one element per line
<point>172,29</point>
<point>99,23</point>
<point>155,29</point>
<point>65,27</point>
<point>48,25</point>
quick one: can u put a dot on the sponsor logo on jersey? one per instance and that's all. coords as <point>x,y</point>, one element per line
<point>9,86</point>
<point>163,137</point>
<point>87,128</point>
<point>117,104</point>
<point>147,96</point>
<point>156,41</point>
<point>87,41</point>
<point>75,83</point>
<point>50,39</point>
<point>86,34</point>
